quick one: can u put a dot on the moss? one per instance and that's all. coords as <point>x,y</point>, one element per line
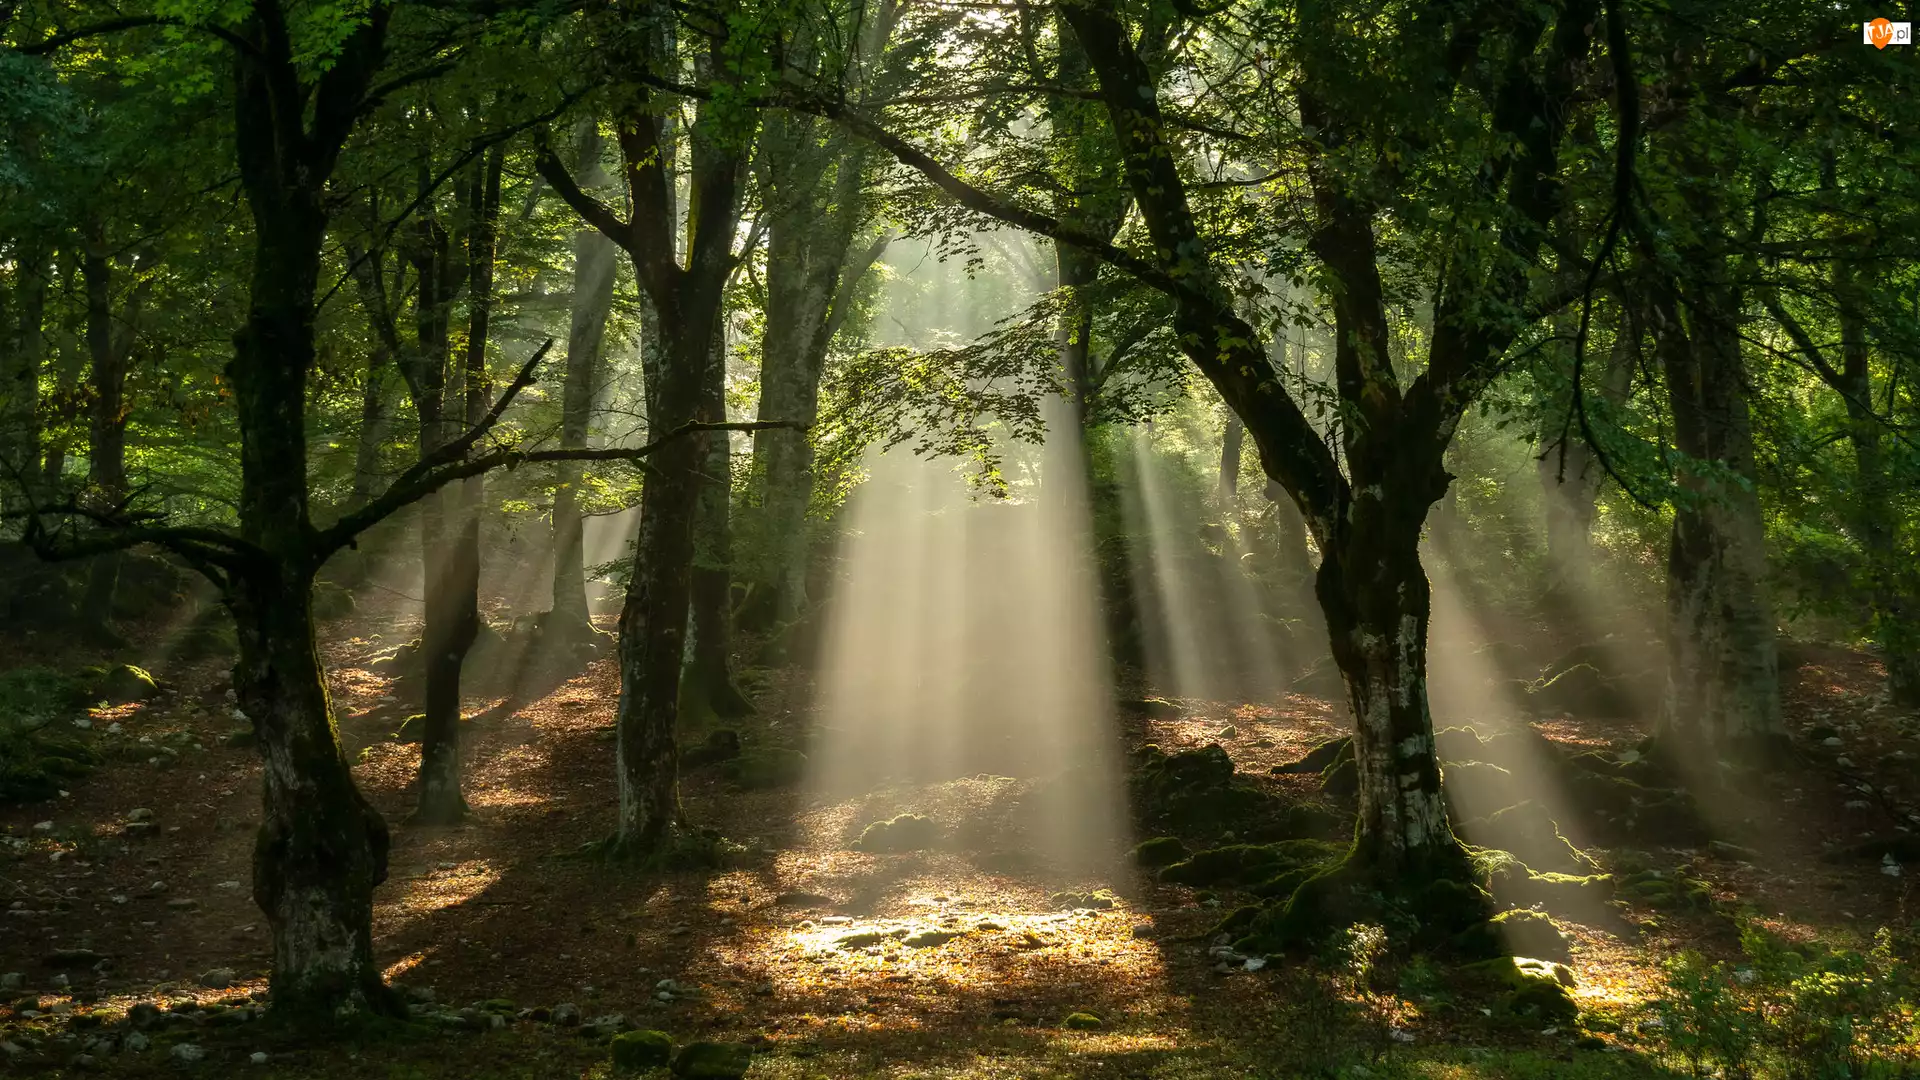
<point>906,832</point>
<point>1158,708</point>
<point>1159,851</point>
<point>637,1051</point>
<point>1341,778</point>
<point>1318,758</point>
<point>118,684</point>
<point>1526,932</point>
<point>1676,891</point>
<point>1238,919</point>
<point>1525,988</point>
<point>713,1061</point>
<point>768,767</point>
<point>718,746</point>
<point>1237,864</point>
<point>1081,1021</point>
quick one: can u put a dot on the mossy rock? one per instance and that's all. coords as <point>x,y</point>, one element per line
<point>1156,708</point>
<point>906,832</point>
<point>638,1051</point>
<point>1341,778</point>
<point>331,600</point>
<point>718,746</point>
<point>768,767</point>
<point>713,1061</point>
<point>1677,891</point>
<point>1526,988</point>
<point>1526,932</point>
<point>1195,791</point>
<point>1308,820</point>
<point>1081,1021</point>
<point>118,684</point>
<point>1318,758</point>
<point>1159,851</point>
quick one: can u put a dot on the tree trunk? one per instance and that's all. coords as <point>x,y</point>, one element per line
<point>321,848</point>
<point>373,424</point>
<point>653,620</point>
<point>707,681</point>
<point>1723,691</point>
<point>1230,441</point>
<point>790,371</point>
<point>106,423</point>
<point>593,272</point>
<point>23,361</point>
<point>1891,577</point>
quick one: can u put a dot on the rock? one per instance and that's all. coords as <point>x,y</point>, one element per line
<point>1159,851</point>
<point>906,832</point>
<point>13,980</point>
<point>143,1015</point>
<point>135,1043</point>
<point>1531,989</point>
<point>183,904</point>
<point>719,746</point>
<point>566,1014</point>
<point>72,958</point>
<point>120,684</point>
<point>1531,933</point>
<point>927,939</point>
<point>139,814</point>
<point>1720,849</point>
<point>713,1061</point>
<point>638,1051</point>
<point>1081,1021</point>
<point>187,1052</point>
<point>217,979</point>
<point>258,1057</point>
<point>1832,741</point>
<point>609,1024</point>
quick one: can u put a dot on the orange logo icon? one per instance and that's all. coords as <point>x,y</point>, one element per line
<point>1881,33</point>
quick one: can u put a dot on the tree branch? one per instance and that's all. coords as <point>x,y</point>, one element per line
<point>411,489</point>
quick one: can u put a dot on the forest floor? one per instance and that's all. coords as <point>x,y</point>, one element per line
<point>506,907</point>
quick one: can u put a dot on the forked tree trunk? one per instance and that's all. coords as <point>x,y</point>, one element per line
<point>1723,690</point>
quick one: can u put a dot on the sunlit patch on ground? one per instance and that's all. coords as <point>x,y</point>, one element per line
<point>428,891</point>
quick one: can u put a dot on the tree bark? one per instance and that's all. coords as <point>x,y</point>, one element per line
<point>593,273</point>
<point>24,360</point>
<point>1890,573</point>
<point>1230,441</point>
<point>707,683</point>
<point>1723,690</point>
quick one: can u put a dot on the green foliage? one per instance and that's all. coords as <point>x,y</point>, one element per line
<point>1806,1012</point>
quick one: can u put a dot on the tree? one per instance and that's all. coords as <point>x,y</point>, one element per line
<point>686,302</point>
